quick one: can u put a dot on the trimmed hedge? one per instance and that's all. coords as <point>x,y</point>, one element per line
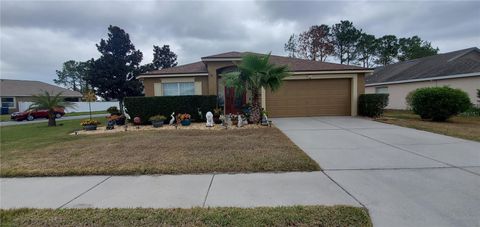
<point>146,107</point>
<point>372,105</point>
<point>439,103</point>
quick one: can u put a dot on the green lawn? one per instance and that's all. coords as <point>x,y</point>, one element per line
<point>278,216</point>
<point>38,150</point>
<point>6,117</point>
<point>459,126</point>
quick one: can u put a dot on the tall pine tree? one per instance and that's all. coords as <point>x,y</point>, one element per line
<point>346,38</point>
<point>113,75</point>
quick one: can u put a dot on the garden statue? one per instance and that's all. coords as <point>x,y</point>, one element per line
<point>200,114</point>
<point>209,117</point>
<point>240,121</point>
<point>173,118</point>
<point>264,121</point>
<point>228,121</point>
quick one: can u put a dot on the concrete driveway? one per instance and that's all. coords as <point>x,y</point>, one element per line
<point>405,177</point>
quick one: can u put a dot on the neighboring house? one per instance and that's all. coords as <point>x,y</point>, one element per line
<point>457,69</point>
<point>314,89</point>
<point>14,91</point>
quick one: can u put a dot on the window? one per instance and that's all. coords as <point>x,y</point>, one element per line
<point>174,89</point>
<point>381,90</point>
<point>8,102</point>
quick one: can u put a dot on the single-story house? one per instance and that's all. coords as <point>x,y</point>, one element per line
<point>457,69</point>
<point>14,91</point>
<point>314,89</point>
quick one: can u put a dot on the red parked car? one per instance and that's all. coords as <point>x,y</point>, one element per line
<point>32,114</point>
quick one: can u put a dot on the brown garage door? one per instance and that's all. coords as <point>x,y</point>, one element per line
<point>319,97</point>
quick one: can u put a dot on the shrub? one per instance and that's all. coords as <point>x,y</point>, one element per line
<point>408,100</point>
<point>372,105</point>
<point>439,103</point>
<point>471,112</point>
<point>157,118</point>
<point>146,107</point>
<point>113,110</point>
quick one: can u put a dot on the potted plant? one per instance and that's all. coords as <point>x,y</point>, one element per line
<point>89,124</point>
<point>185,119</point>
<point>157,120</point>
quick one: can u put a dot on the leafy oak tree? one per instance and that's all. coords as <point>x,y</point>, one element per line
<point>316,44</point>
<point>113,75</point>
<point>414,47</point>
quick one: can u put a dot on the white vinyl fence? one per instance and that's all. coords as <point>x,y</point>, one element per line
<point>79,106</point>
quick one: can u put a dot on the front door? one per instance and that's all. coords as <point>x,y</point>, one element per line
<point>233,102</point>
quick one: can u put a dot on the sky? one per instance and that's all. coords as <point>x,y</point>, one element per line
<point>36,37</point>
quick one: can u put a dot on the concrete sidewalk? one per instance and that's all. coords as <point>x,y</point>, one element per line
<point>169,191</point>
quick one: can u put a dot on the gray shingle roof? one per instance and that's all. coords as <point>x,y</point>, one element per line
<point>447,64</point>
<point>196,67</point>
<point>294,64</point>
<point>30,87</point>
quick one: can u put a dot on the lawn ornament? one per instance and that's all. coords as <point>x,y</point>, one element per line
<point>209,117</point>
<point>137,120</point>
<point>173,118</point>
<point>110,125</point>
<point>264,121</point>
<point>240,121</point>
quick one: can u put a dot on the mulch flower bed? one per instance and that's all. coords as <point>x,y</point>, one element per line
<point>101,129</point>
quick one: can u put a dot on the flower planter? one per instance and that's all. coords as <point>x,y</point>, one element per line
<point>90,127</point>
<point>185,122</point>
<point>157,124</point>
<point>120,121</point>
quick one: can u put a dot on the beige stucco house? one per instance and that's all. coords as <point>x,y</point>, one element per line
<point>14,91</point>
<point>314,89</point>
<point>457,69</point>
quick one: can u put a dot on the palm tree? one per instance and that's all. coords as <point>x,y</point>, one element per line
<point>50,102</point>
<point>254,73</point>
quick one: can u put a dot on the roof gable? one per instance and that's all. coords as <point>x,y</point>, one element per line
<point>31,87</point>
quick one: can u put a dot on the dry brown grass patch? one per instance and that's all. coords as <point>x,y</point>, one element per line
<point>162,152</point>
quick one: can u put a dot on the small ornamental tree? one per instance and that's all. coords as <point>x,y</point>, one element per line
<point>51,103</point>
<point>439,103</point>
<point>256,72</point>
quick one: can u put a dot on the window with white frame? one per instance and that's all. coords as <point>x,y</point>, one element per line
<point>8,102</point>
<point>381,90</point>
<point>180,88</point>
